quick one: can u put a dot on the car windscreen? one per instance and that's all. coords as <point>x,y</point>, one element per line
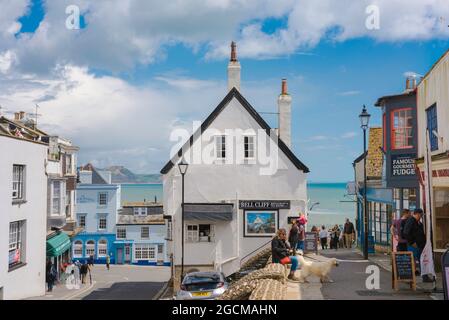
<point>197,283</point>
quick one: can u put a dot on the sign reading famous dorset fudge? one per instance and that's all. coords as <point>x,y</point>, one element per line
<point>264,204</point>
<point>402,165</point>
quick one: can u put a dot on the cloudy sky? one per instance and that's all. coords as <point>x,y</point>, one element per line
<point>135,70</point>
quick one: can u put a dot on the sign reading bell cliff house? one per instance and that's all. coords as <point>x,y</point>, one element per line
<point>264,204</point>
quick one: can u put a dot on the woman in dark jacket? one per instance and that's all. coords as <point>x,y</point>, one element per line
<point>293,237</point>
<point>281,250</point>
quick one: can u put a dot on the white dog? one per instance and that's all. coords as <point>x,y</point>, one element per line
<point>321,269</point>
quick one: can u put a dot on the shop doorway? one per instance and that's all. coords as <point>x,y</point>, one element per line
<point>127,254</point>
<point>119,255</point>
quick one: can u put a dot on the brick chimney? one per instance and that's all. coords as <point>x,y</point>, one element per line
<point>233,69</point>
<point>285,112</point>
<point>410,83</point>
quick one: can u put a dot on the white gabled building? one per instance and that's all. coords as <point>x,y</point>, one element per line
<point>242,183</point>
<point>23,212</point>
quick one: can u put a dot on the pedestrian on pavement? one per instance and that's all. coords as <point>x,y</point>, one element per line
<point>323,237</point>
<point>50,276</point>
<point>335,235</point>
<point>281,253</point>
<point>414,233</point>
<point>396,230</point>
<point>108,261</point>
<point>301,234</point>
<point>348,233</point>
<point>78,265</point>
<point>293,236</point>
<point>84,270</point>
<point>91,261</point>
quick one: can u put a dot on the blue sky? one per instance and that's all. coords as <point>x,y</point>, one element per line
<point>120,76</point>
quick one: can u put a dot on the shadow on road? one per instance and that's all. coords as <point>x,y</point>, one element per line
<point>126,291</point>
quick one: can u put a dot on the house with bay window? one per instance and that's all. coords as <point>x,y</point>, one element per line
<point>97,206</point>
<point>23,210</point>
<point>141,234</point>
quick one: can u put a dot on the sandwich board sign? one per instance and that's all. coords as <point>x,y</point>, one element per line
<point>403,269</point>
<point>311,242</point>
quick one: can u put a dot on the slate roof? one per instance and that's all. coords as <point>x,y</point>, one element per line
<point>234,93</point>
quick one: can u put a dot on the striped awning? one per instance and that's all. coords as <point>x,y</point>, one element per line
<point>58,244</point>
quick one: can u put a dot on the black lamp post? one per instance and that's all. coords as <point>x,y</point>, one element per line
<point>364,121</point>
<point>182,166</point>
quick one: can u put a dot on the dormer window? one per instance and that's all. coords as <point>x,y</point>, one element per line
<point>140,211</point>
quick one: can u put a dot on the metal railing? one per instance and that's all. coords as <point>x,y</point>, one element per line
<point>252,253</point>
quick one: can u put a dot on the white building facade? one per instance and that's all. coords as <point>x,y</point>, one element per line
<point>23,207</point>
<point>433,120</point>
<point>241,185</point>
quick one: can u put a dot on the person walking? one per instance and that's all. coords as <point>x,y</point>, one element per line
<point>396,230</point>
<point>413,231</point>
<point>335,236</point>
<point>301,234</point>
<point>293,236</point>
<point>323,237</point>
<point>50,275</point>
<point>348,233</point>
<point>83,272</point>
<point>91,261</point>
<point>280,252</point>
<point>108,261</point>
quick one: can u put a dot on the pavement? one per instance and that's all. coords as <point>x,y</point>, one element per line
<point>350,279</point>
<point>121,282</point>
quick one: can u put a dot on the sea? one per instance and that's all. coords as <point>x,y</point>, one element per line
<point>329,202</point>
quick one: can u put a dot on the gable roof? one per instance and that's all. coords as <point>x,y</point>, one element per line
<point>234,93</point>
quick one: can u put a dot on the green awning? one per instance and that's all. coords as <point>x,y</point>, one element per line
<point>58,244</point>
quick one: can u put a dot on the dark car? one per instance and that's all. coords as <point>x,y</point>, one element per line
<point>202,285</point>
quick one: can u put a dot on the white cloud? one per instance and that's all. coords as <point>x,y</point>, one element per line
<point>7,59</point>
<point>349,135</point>
<point>349,93</point>
<point>122,35</point>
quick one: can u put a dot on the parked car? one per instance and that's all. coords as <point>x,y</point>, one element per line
<point>202,285</point>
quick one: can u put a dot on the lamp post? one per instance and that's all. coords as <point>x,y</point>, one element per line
<point>364,121</point>
<point>182,166</point>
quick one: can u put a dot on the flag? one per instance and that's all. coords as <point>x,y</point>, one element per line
<point>426,261</point>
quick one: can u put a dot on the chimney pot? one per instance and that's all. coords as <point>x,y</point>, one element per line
<point>233,51</point>
<point>16,116</point>
<point>284,87</point>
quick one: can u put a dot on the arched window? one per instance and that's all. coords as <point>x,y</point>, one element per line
<point>78,249</point>
<point>90,248</point>
<point>102,248</point>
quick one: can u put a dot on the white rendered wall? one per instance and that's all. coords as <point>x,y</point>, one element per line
<point>231,182</point>
<point>29,280</point>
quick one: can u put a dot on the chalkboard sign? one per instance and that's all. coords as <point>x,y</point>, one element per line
<point>403,268</point>
<point>311,242</point>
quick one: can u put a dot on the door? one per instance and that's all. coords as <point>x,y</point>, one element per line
<point>119,255</point>
<point>127,254</point>
<point>160,254</point>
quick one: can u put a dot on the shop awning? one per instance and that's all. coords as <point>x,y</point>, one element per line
<point>208,212</point>
<point>58,244</point>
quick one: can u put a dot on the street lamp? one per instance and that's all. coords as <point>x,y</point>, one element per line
<point>364,121</point>
<point>182,166</point>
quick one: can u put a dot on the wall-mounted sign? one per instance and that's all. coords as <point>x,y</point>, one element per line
<point>264,204</point>
<point>403,165</point>
<point>84,199</point>
<point>260,223</point>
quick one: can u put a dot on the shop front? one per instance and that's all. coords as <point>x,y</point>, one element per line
<point>58,250</point>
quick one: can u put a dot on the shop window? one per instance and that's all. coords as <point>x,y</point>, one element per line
<point>441,232</point>
<point>402,129</point>
<point>200,233</point>
<point>144,252</point>
<point>90,248</point>
<point>78,249</point>
<point>16,243</point>
<point>102,248</point>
